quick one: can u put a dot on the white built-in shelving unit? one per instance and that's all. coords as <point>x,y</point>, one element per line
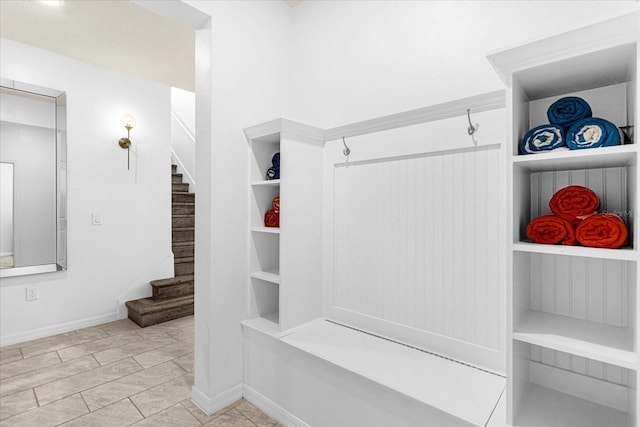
<point>572,312</point>
<point>284,289</point>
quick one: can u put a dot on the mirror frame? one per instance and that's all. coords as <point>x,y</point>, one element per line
<point>60,98</point>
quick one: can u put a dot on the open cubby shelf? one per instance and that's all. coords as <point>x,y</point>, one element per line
<point>283,261</point>
<point>573,310</point>
<point>265,241</point>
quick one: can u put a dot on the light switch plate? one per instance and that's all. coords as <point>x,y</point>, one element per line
<point>96,219</point>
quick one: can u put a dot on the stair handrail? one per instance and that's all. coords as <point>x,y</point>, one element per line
<point>180,164</point>
<point>181,123</point>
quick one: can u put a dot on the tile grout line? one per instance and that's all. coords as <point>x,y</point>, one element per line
<point>80,391</point>
<point>244,415</point>
<point>161,384</point>
<point>136,354</point>
<point>88,370</point>
<point>35,397</point>
<point>39,385</point>
<point>137,409</point>
<point>30,370</point>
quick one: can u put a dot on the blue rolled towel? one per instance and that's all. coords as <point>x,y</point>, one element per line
<point>542,138</point>
<point>273,173</point>
<point>592,133</point>
<point>567,111</point>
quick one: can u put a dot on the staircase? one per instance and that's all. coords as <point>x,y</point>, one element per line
<point>173,297</point>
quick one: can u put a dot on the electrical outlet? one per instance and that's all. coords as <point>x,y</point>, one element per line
<point>32,293</point>
<point>96,219</point>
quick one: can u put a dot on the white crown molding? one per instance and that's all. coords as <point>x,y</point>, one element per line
<point>478,103</point>
<point>271,131</point>
<point>621,30</point>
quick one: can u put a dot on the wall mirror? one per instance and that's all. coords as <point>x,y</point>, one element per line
<point>33,174</point>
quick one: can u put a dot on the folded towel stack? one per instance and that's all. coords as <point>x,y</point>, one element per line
<point>570,126</point>
<point>575,220</point>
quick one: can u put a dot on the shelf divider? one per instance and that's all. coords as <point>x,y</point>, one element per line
<point>266,183</point>
<point>267,323</point>
<point>267,276</point>
<point>603,157</point>
<point>593,340</point>
<point>270,230</point>
<point>623,254</point>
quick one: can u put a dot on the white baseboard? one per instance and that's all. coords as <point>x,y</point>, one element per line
<point>211,405</point>
<point>276,412</point>
<point>57,329</point>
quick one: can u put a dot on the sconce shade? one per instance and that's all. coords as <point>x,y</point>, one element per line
<point>128,121</point>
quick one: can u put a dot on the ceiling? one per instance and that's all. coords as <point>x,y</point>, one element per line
<point>114,34</point>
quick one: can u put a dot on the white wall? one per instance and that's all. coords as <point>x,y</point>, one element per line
<point>133,245</point>
<point>357,60</point>
<point>248,79</point>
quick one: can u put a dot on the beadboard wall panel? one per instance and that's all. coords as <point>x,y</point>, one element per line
<point>579,365</point>
<point>417,242</point>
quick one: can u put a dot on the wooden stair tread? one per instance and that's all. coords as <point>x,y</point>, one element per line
<point>183,259</point>
<point>187,243</point>
<point>184,229</point>
<point>183,215</point>
<point>172,280</point>
<point>183,204</point>
<point>149,305</point>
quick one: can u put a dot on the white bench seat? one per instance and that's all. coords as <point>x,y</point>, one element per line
<point>459,390</point>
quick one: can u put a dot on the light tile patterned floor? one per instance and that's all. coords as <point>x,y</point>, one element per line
<point>116,374</point>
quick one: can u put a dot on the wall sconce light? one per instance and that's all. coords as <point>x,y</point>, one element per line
<point>128,121</point>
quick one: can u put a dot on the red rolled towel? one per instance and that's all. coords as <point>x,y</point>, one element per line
<point>574,203</point>
<point>551,229</point>
<point>602,231</point>
<point>272,218</point>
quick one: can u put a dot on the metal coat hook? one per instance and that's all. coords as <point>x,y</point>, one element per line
<point>471,129</point>
<point>346,150</point>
